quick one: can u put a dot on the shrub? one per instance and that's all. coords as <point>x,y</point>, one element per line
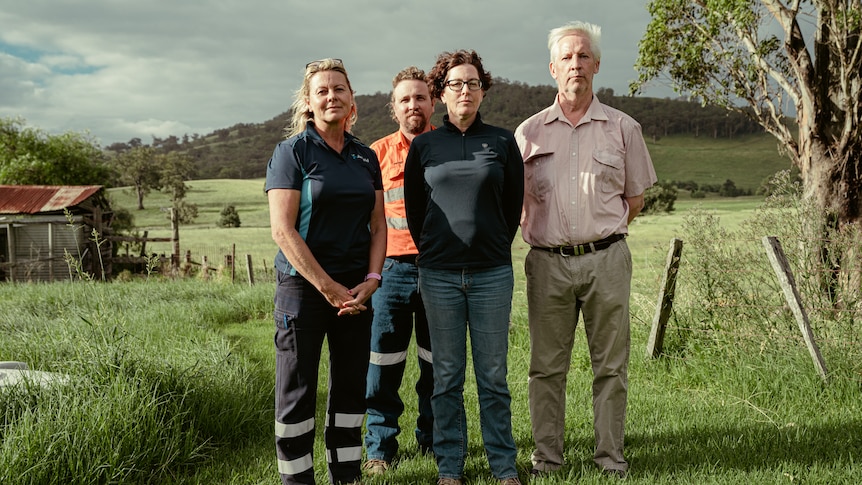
<point>186,213</point>
<point>659,198</point>
<point>229,217</point>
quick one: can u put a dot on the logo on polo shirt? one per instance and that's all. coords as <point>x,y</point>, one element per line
<point>360,157</point>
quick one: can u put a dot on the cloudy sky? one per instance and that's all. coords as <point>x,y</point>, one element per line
<point>121,69</point>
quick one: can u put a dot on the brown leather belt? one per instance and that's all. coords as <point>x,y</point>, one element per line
<point>585,248</point>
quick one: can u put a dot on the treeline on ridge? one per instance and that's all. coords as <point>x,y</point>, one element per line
<point>242,150</point>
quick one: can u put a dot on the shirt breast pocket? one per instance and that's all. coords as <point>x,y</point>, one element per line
<point>538,176</point>
<point>609,170</point>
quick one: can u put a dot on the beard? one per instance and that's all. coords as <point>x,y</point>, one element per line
<point>415,123</point>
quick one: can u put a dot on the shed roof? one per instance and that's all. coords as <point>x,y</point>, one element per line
<point>33,199</point>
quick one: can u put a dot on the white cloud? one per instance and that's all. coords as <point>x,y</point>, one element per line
<point>122,69</point>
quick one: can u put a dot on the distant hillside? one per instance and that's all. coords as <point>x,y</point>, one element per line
<point>242,150</point>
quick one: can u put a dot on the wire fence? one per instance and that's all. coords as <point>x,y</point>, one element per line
<point>728,296</point>
<point>222,262</point>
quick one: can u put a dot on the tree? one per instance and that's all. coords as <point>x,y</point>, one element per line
<point>729,189</point>
<point>174,169</point>
<point>137,167</point>
<point>28,156</point>
<point>754,57</point>
<point>229,217</point>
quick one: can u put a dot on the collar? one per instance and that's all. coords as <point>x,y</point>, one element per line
<point>311,132</point>
<point>477,124</point>
<point>594,113</point>
<point>403,143</point>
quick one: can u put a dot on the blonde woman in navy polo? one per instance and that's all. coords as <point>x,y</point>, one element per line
<point>326,211</point>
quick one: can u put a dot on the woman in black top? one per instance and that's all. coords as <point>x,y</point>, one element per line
<point>464,185</point>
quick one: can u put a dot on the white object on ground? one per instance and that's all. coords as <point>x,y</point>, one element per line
<point>12,373</point>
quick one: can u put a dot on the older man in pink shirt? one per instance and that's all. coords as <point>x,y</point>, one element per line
<point>586,167</point>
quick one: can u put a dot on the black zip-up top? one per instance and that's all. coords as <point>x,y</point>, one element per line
<point>463,194</point>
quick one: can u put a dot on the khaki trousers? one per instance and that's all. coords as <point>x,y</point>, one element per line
<point>559,288</point>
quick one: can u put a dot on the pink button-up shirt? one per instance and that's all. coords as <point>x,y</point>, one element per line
<point>576,177</point>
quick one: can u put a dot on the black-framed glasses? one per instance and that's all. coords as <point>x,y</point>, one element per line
<point>316,64</point>
<point>458,84</point>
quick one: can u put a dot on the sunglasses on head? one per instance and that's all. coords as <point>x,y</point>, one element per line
<point>316,64</point>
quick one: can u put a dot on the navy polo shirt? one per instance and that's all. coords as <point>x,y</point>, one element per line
<point>338,196</point>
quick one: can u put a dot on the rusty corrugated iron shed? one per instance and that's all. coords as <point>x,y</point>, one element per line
<point>33,199</point>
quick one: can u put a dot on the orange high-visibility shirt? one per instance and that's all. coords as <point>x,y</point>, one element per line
<point>391,152</point>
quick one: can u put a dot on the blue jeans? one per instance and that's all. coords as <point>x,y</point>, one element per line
<point>396,306</point>
<point>479,301</point>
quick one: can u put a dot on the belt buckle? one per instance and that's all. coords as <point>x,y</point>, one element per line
<point>564,253</point>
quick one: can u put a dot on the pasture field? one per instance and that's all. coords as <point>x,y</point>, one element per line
<point>172,378</point>
<point>747,160</point>
<point>203,235</point>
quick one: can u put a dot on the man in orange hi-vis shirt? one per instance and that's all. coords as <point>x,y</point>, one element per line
<point>397,304</point>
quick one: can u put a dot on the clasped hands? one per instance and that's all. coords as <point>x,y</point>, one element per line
<point>352,301</point>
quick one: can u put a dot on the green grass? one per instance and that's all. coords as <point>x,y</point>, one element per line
<point>186,368</point>
<point>747,160</point>
<point>173,379</point>
<point>155,387</point>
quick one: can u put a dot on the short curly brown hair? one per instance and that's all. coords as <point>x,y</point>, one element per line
<point>446,61</point>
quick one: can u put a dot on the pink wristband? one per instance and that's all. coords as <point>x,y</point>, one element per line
<point>375,276</point>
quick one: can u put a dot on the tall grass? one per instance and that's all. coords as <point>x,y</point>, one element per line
<point>730,293</point>
<point>154,388</point>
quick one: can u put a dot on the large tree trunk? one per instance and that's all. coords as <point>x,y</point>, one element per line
<point>832,185</point>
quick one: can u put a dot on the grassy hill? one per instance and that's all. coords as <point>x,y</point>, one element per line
<point>746,160</point>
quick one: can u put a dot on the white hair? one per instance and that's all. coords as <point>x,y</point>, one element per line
<point>591,31</point>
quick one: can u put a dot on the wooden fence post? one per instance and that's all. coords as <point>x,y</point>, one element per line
<point>785,278</point>
<point>175,238</point>
<point>250,270</point>
<point>665,300</point>
<point>229,263</point>
<point>232,262</point>
<point>144,244</point>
